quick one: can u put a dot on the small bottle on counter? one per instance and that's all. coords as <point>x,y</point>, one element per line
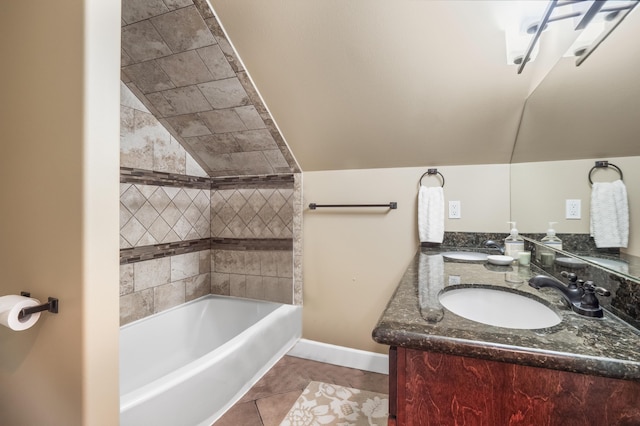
<point>514,243</point>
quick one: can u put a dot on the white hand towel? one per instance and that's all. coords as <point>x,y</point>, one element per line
<point>431,214</point>
<point>609,214</point>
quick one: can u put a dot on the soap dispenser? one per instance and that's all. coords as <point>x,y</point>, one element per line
<point>551,239</point>
<point>514,243</point>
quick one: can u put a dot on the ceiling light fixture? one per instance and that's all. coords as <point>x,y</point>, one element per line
<point>595,19</point>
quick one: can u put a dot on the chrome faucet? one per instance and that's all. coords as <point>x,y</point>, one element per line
<point>579,295</point>
<point>493,244</point>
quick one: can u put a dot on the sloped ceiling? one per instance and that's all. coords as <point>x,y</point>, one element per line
<point>178,62</point>
<point>375,83</point>
<point>351,84</point>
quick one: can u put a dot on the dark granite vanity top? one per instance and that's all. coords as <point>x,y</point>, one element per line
<point>415,319</point>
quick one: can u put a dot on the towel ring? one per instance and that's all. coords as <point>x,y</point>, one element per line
<point>604,164</point>
<point>431,172</point>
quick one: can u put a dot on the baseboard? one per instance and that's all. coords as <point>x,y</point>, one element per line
<point>340,355</point>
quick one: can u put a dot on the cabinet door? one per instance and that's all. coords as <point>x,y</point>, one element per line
<point>439,389</point>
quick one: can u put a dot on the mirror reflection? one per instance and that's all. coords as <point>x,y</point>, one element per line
<point>575,117</point>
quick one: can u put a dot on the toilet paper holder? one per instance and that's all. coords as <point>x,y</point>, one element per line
<point>51,306</point>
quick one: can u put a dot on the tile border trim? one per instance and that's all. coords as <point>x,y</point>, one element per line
<point>156,251</point>
<point>275,244</point>
<point>151,177</point>
<point>243,182</point>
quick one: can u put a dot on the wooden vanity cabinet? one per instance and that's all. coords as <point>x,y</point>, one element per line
<point>436,389</point>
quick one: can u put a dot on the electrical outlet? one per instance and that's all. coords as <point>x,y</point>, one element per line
<point>454,210</point>
<point>454,279</point>
<point>573,209</point>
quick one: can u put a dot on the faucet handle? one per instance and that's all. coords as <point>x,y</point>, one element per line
<point>572,277</point>
<point>591,287</point>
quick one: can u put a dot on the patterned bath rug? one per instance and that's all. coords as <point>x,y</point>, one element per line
<point>323,404</point>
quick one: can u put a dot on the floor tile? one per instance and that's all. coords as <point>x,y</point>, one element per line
<point>241,414</point>
<point>274,408</point>
<point>269,400</point>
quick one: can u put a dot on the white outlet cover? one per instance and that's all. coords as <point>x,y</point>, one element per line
<point>454,210</point>
<point>573,209</point>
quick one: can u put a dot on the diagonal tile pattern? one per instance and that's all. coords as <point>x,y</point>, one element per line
<point>252,213</point>
<point>177,61</point>
<point>151,214</point>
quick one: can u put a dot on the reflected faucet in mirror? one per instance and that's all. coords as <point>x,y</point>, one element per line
<point>494,245</point>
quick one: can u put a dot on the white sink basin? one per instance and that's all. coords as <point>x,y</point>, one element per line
<point>499,308</point>
<point>465,255</point>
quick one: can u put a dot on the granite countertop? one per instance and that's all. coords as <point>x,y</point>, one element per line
<point>415,319</point>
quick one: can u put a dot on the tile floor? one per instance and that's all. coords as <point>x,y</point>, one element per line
<point>270,399</point>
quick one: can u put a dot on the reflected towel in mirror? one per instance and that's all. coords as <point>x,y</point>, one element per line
<point>609,214</point>
<point>430,283</point>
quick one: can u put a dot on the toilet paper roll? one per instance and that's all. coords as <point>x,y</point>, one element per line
<point>10,307</point>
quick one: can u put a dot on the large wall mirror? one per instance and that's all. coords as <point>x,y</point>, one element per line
<point>575,116</point>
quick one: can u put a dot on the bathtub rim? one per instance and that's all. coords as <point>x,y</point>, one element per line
<point>199,299</point>
<point>138,396</point>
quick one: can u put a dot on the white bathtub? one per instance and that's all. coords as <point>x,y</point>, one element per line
<point>189,364</point>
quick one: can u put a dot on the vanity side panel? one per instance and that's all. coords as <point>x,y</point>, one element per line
<point>445,389</point>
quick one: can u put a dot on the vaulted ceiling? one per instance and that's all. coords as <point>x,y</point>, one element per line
<point>351,84</point>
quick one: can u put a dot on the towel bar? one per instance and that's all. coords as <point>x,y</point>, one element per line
<point>604,165</point>
<point>431,172</point>
<point>392,205</point>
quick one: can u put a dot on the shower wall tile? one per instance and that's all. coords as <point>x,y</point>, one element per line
<point>134,11</point>
<point>197,286</point>
<point>220,283</point>
<point>185,68</point>
<point>237,285</point>
<point>297,238</point>
<point>254,288</point>
<point>192,34</point>
<point>216,62</point>
<point>146,144</point>
<point>126,279</point>
<point>252,213</point>
<point>177,4</point>
<point>135,306</point>
<point>151,273</point>
<point>142,42</point>
<point>153,214</point>
<point>152,286</point>
<point>168,295</point>
<point>256,274</point>
<point>185,266</point>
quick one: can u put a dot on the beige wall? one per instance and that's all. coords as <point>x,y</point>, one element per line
<point>539,191</point>
<point>354,258</point>
<point>59,190</point>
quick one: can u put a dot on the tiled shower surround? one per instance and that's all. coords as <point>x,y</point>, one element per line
<point>235,239</point>
<point>184,234</point>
